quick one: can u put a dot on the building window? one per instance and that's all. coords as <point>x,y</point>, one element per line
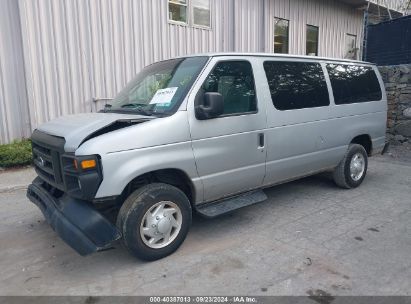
<point>312,40</point>
<point>281,35</point>
<point>177,10</point>
<point>350,46</point>
<point>201,13</point>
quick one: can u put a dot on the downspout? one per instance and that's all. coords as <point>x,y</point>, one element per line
<point>27,119</point>
<point>263,28</point>
<point>233,27</point>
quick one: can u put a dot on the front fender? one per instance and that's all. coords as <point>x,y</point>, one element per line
<point>119,168</point>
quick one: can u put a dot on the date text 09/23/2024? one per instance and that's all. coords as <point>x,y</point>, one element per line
<point>203,299</point>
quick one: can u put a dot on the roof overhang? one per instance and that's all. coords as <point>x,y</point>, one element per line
<point>356,3</point>
<point>372,6</point>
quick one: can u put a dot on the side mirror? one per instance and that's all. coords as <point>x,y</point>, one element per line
<point>211,105</point>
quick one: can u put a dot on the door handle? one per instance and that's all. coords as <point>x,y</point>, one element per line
<point>261,140</point>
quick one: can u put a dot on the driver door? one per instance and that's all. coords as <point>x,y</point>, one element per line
<point>229,150</point>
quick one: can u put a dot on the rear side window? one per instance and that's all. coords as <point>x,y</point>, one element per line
<point>296,85</point>
<point>235,81</point>
<point>353,83</point>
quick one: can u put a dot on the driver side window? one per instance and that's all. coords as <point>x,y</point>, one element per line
<point>234,80</point>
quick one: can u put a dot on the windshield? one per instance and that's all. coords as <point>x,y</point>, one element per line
<point>159,88</point>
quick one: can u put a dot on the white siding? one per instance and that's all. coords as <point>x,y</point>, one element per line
<point>75,50</point>
<point>14,121</point>
<point>333,18</point>
<point>248,31</point>
<point>67,52</point>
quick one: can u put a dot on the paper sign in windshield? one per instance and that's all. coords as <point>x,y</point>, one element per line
<point>163,97</point>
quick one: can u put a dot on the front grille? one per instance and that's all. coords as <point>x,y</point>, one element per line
<point>43,162</point>
<point>47,151</point>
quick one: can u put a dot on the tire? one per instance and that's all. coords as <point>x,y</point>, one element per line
<point>343,173</point>
<point>142,211</point>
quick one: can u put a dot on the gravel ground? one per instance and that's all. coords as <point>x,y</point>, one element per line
<point>309,237</point>
<point>399,152</point>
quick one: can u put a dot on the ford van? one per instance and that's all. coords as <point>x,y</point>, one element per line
<point>203,134</point>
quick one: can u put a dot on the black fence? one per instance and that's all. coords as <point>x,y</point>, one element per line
<point>389,42</point>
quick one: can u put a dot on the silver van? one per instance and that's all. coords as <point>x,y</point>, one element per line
<point>204,134</point>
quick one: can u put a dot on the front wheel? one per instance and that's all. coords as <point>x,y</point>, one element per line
<point>351,171</point>
<point>154,221</point>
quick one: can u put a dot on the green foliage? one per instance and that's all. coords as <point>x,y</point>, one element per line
<point>15,154</point>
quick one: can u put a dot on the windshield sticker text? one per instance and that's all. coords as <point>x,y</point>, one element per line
<point>163,97</point>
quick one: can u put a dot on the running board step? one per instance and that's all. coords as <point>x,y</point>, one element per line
<point>230,204</point>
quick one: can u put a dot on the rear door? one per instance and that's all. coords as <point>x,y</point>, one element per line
<point>300,137</point>
<point>360,101</point>
<point>229,150</point>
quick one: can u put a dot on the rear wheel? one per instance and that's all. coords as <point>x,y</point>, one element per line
<point>154,221</point>
<point>351,171</point>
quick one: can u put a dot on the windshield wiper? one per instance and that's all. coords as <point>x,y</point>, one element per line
<point>138,107</point>
<point>132,105</point>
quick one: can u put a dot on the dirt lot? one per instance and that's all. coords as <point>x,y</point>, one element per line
<point>308,237</point>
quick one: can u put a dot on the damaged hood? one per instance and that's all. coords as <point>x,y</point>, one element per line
<point>78,128</point>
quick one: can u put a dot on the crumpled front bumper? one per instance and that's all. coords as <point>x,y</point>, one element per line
<point>75,221</point>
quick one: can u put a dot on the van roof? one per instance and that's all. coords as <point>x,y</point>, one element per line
<point>277,55</point>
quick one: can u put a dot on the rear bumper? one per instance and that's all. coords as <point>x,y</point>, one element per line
<point>75,221</point>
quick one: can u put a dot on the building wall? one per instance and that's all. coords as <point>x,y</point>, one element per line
<point>334,19</point>
<point>61,54</point>
<point>14,118</point>
<point>77,50</point>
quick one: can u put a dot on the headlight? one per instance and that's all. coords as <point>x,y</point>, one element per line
<point>82,175</point>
